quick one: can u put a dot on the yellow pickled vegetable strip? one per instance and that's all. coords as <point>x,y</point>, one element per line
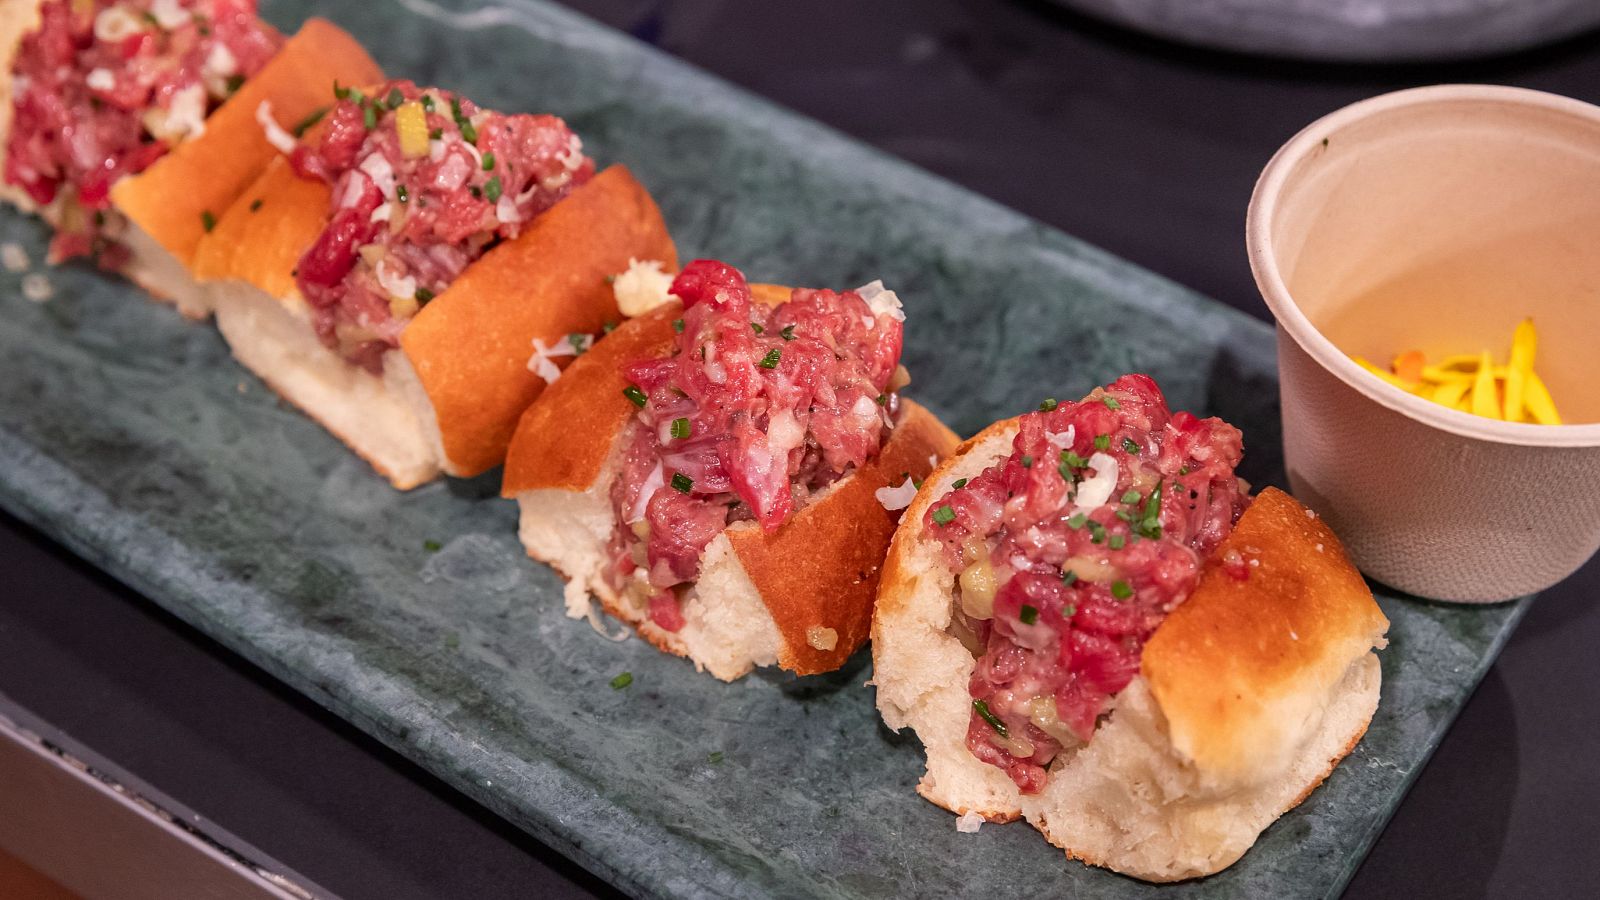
<point>1441,375</point>
<point>412,123</point>
<point>1451,392</point>
<point>1483,393</point>
<point>1467,361</point>
<point>1537,398</point>
<point>1523,344</point>
<point>1402,385</point>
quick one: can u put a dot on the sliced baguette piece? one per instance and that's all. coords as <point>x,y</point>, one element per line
<point>800,598</point>
<point>449,398</point>
<point>167,204</point>
<point>1249,694</point>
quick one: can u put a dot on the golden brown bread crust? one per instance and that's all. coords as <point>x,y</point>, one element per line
<point>564,439</point>
<point>262,246</point>
<point>1233,667</point>
<point>821,568</point>
<point>896,591</point>
<point>470,345</point>
<point>206,174</point>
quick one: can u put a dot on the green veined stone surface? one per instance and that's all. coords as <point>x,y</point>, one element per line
<point>130,435</point>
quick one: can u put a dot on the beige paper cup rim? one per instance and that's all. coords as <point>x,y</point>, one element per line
<point>1263,262</point>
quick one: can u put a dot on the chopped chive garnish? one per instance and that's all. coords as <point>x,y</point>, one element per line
<point>756,327</point>
<point>340,93</point>
<point>1117,541</point>
<point>958,484</point>
<point>401,194</point>
<point>982,709</point>
<point>255,204</point>
<point>234,83</point>
<point>1150,523</point>
<point>488,161</point>
<point>1068,577</point>
<point>608,327</point>
<point>395,98</point>
<point>715,758</point>
<point>1130,445</point>
<point>944,515</point>
<point>1049,404</point>
<point>1183,471</point>
<point>436,134</point>
<point>1078,521</point>
<point>1069,611</point>
<point>310,120</point>
<point>579,343</point>
<point>469,132</point>
<point>770,361</point>
<point>682,428</point>
<point>207,220</point>
<point>881,400</point>
<point>1124,515</point>
<point>633,393</point>
<point>1097,532</point>
<point>491,189</point>
<point>1027,462</point>
<point>1111,402</point>
<point>432,546</point>
<point>682,483</point>
<point>1068,458</point>
<point>369,117</point>
<point>475,191</point>
<point>1121,590</point>
<point>423,295</point>
<point>1130,497</point>
<point>1028,615</point>
<point>1102,442</point>
<point>427,102</point>
<point>787,333</point>
<point>622,681</point>
<point>677,325</point>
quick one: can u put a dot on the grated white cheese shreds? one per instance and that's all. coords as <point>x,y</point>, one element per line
<point>1094,491</point>
<point>36,287</point>
<point>100,80</point>
<point>882,301</point>
<point>281,140</point>
<point>643,287</point>
<point>969,822</point>
<point>13,257</point>
<point>897,498</point>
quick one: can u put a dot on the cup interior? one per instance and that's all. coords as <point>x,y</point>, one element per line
<point>1436,220</point>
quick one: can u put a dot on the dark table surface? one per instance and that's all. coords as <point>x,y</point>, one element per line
<point>1146,149</point>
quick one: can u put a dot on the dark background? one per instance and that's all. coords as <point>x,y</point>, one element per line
<point>1144,148</point>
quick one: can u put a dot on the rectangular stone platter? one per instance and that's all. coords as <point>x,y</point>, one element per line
<point>132,437</point>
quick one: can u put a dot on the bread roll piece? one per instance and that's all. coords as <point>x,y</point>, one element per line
<point>168,204</point>
<point>449,398</point>
<point>1249,693</point>
<point>800,597</point>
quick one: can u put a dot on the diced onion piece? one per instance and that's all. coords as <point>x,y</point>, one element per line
<point>652,483</point>
<point>897,498</point>
<point>169,14</point>
<point>281,140</point>
<point>1095,490</point>
<point>115,23</point>
<point>411,122</point>
<point>969,822</point>
<point>882,301</point>
<point>540,363</point>
<point>100,79</point>
<point>643,287</point>
<point>1061,440</point>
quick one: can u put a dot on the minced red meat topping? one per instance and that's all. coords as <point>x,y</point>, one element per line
<point>423,183</point>
<point>1070,552</point>
<point>756,410</point>
<point>102,89</point>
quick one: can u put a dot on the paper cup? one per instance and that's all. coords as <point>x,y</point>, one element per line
<point>1436,219</point>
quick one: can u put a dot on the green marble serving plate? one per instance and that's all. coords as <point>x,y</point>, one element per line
<point>130,435</point>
